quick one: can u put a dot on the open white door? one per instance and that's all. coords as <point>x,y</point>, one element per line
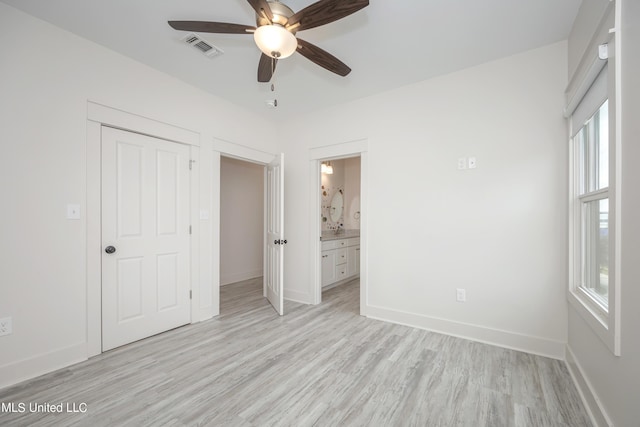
<point>275,233</point>
<point>145,235</point>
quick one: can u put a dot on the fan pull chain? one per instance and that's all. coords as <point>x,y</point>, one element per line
<point>273,86</point>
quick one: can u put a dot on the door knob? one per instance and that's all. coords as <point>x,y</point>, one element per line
<point>109,249</point>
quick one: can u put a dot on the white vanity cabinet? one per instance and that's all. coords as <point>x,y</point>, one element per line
<point>340,260</point>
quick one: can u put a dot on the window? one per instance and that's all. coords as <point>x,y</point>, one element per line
<point>594,227</point>
<point>592,146</point>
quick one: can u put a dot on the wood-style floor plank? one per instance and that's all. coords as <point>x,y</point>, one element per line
<point>317,366</point>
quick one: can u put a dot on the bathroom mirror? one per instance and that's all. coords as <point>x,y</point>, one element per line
<point>336,206</point>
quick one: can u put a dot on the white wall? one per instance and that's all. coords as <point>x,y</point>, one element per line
<point>588,18</point>
<point>43,118</point>
<point>498,231</point>
<point>352,193</point>
<point>331,184</point>
<point>615,381</point>
<point>241,220</point>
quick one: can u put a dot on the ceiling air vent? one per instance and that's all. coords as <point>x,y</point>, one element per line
<point>206,48</point>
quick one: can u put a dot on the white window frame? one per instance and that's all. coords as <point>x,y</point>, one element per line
<point>603,321</point>
<point>581,197</point>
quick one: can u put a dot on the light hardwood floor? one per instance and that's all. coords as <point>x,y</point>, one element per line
<point>318,365</point>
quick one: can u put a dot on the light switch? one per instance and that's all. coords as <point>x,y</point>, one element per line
<point>462,163</point>
<point>73,211</point>
<point>204,214</point>
<point>472,163</point>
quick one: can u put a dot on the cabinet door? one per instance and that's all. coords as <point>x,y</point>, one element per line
<point>328,267</point>
<point>353,253</point>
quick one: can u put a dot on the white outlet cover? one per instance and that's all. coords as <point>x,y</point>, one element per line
<point>6,326</point>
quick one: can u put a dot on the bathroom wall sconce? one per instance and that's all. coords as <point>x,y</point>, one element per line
<point>326,168</point>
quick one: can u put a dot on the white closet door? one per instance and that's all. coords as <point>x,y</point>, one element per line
<point>145,237</point>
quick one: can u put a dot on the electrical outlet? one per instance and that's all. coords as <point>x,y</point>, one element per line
<point>5,326</point>
<point>461,295</point>
<point>73,211</point>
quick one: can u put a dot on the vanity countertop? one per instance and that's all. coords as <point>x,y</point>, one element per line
<point>343,234</point>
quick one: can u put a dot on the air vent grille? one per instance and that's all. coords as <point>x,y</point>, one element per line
<point>206,48</point>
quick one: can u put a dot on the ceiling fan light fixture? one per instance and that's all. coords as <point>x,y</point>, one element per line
<point>275,41</point>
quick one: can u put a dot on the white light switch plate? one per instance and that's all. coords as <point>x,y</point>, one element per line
<point>472,163</point>
<point>462,163</point>
<point>204,214</point>
<point>73,211</point>
<point>6,326</point>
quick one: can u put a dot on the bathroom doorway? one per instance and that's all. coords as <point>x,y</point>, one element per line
<point>318,155</point>
<point>340,213</point>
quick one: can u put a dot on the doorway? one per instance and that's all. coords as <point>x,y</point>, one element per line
<point>340,223</point>
<point>241,220</point>
<point>98,117</point>
<point>273,219</point>
<point>357,148</point>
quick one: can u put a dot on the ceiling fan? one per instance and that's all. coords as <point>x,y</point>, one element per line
<point>275,33</point>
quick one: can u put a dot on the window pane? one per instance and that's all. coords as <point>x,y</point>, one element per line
<point>595,250</point>
<point>603,146</point>
<point>593,146</point>
<point>581,143</point>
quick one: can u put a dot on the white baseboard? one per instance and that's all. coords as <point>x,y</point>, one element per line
<point>297,296</point>
<point>340,283</point>
<point>206,314</point>
<point>239,277</point>
<point>33,367</point>
<point>590,399</point>
<point>514,341</point>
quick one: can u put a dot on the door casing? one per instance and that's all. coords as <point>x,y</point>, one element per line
<point>336,151</point>
<point>240,152</point>
<point>99,115</point>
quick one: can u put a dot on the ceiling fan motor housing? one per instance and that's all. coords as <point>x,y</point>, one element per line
<point>281,13</point>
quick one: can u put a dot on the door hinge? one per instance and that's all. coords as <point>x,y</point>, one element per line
<point>191,162</point>
<point>190,294</point>
<point>190,230</point>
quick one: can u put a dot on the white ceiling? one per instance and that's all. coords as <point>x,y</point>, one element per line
<point>388,44</point>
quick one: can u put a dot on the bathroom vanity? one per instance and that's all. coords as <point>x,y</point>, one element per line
<point>340,257</point>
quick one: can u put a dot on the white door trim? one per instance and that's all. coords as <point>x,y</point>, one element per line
<point>237,151</point>
<point>347,149</point>
<point>97,116</point>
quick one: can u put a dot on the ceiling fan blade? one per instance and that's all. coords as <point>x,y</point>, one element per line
<point>324,12</point>
<point>212,27</point>
<point>261,5</point>
<point>322,58</point>
<point>266,68</point>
